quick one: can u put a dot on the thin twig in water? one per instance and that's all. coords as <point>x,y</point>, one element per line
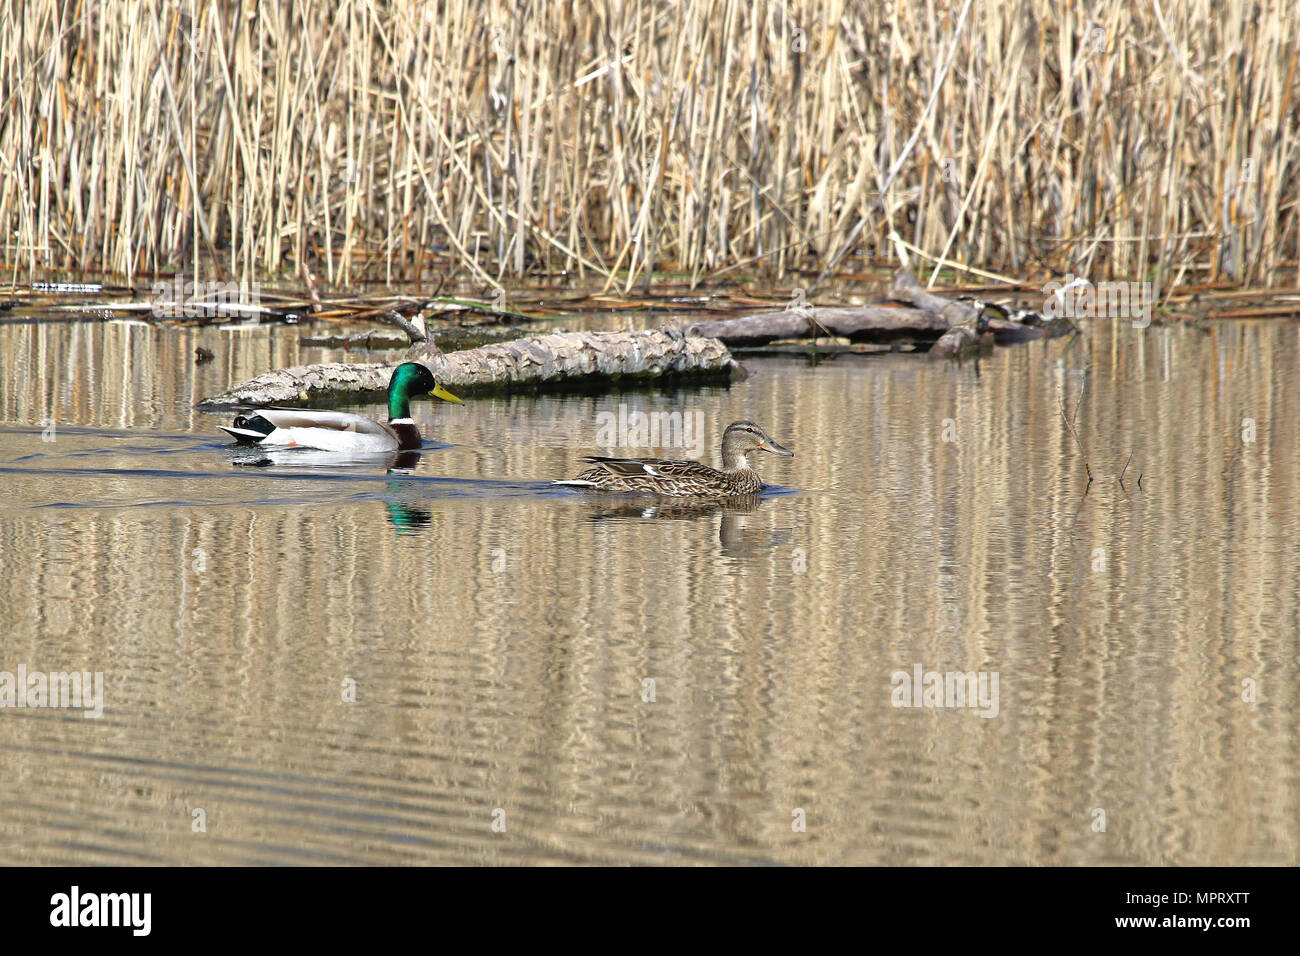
<point>1075,432</point>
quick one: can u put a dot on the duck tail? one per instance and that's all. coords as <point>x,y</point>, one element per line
<point>249,431</point>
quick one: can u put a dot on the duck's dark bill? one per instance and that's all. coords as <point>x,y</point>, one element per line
<point>776,448</point>
<point>446,396</point>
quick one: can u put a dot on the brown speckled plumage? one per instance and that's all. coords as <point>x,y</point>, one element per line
<point>685,479</point>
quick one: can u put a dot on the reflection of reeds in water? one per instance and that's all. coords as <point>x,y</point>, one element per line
<point>365,139</point>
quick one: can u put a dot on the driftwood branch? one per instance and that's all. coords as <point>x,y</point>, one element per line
<point>857,322</point>
<point>921,315</point>
<point>413,332</point>
<point>374,339</point>
<point>968,336</point>
<point>561,358</point>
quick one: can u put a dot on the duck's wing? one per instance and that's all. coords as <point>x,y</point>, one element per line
<point>646,467</point>
<point>314,418</point>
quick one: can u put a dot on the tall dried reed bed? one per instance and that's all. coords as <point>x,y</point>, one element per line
<point>387,138</point>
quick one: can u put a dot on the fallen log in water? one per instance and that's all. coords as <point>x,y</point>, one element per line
<point>854,323</point>
<point>696,352</point>
<point>965,338</point>
<point>560,358</point>
<point>923,315</point>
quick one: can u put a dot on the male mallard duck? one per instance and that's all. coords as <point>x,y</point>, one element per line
<point>340,431</point>
<point>686,479</point>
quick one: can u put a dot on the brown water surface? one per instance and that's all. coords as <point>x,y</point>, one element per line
<point>501,632</point>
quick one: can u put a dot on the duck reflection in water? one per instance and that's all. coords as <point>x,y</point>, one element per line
<point>403,513</point>
<point>394,462</point>
<point>406,517</point>
<point>734,536</point>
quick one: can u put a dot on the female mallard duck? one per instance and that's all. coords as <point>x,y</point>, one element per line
<point>686,479</point>
<point>340,431</point>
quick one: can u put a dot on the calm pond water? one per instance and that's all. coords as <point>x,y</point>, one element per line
<point>500,632</point>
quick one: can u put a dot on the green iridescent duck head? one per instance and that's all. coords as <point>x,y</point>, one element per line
<point>410,379</point>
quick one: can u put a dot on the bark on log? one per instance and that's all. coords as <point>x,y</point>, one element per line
<point>860,322</point>
<point>966,338</point>
<point>923,315</point>
<point>528,363</point>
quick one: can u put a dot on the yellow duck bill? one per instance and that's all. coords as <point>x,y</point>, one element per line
<point>446,396</point>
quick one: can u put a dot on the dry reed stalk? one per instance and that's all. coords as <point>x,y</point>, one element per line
<point>396,140</point>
